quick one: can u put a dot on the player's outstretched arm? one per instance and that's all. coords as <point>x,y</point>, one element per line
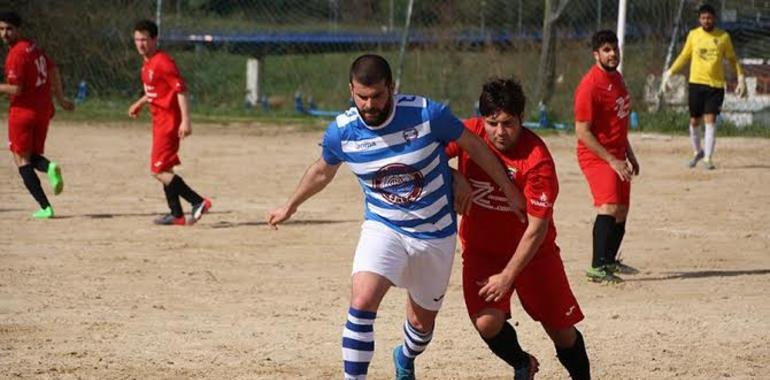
<point>480,154</point>
<point>57,90</point>
<point>315,179</point>
<point>583,132</point>
<point>496,286</point>
<point>185,128</point>
<point>135,108</point>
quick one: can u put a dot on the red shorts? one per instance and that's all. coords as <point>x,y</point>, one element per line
<point>27,131</point>
<point>542,286</point>
<point>165,142</point>
<point>606,186</point>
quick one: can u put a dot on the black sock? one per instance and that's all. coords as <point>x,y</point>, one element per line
<point>173,201</point>
<point>506,346</point>
<point>603,227</point>
<point>33,185</point>
<point>39,162</point>
<point>575,359</point>
<point>179,187</point>
<point>618,231</point>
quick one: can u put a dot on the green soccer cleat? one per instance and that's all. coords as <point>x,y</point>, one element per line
<point>55,178</point>
<point>619,267</point>
<point>602,275</point>
<point>43,213</point>
<point>708,164</point>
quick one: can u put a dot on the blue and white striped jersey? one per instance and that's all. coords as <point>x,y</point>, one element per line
<point>401,165</point>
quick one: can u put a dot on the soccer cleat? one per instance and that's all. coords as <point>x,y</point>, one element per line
<point>601,274</point>
<point>43,213</point>
<point>619,267</point>
<point>198,211</point>
<point>169,220</point>
<point>55,178</point>
<point>528,372</point>
<point>708,165</point>
<point>695,158</point>
<point>402,373</point>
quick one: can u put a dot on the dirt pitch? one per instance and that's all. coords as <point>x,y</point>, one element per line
<point>101,293</point>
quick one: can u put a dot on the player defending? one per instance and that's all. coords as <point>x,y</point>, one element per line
<point>500,253</point>
<point>31,78</point>
<point>705,48</point>
<point>395,146</point>
<point>165,91</point>
<point>602,106</point>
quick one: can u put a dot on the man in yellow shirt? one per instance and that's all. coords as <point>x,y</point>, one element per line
<point>705,48</point>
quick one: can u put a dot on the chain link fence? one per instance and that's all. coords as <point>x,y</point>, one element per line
<point>301,49</point>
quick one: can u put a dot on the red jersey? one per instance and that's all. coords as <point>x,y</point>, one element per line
<point>602,99</point>
<point>491,226</point>
<point>27,66</point>
<point>162,82</point>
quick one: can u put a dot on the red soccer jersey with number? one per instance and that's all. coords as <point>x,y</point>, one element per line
<point>602,99</point>
<point>27,66</point>
<point>162,82</point>
<point>491,227</point>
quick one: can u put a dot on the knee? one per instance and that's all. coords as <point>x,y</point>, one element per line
<point>488,325</point>
<point>364,302</point>
<point>562,338</point>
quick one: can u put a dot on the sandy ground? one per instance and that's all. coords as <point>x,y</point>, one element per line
<point>101,293</point>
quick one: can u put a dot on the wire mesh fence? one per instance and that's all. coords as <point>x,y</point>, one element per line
<point>303,48</point>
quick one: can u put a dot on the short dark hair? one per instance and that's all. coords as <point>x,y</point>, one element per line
<point>148,26</point>
<point>602,37</point>
<point>12,18</point>
<point>502,95</point>
<point>706,8</point>
<point>370,69</point>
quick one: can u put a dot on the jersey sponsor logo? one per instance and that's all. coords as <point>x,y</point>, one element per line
<point>623,106</point>
<point>406,99</point>
<point>366,145</point>
<point>482,196</point>
<point>542,201</point>
<point>399,184</point>
<point>42,71</point>
<point>410,134</point>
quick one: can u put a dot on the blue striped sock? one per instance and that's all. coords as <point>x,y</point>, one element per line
<point>415,343</point>
<point>358,343</point>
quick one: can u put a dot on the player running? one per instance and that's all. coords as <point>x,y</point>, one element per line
<point>705,48</point>
<point>394,144</point>
<point>602,106</point>
<point>500,253</point>
<point>166,92</point>
<point>31,78</point>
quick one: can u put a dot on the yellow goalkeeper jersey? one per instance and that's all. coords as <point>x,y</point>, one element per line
<point>706,50</point>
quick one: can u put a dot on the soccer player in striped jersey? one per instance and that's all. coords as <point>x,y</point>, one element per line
<point>705,48</point>
<point>395,145</point>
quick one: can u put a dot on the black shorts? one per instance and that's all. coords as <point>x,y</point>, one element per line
<point>705,99</point>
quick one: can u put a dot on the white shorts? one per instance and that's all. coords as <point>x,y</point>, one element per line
<point>421,266</point>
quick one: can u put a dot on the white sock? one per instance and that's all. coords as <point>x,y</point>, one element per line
<point>695,138</point>
<point>711,140</point>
